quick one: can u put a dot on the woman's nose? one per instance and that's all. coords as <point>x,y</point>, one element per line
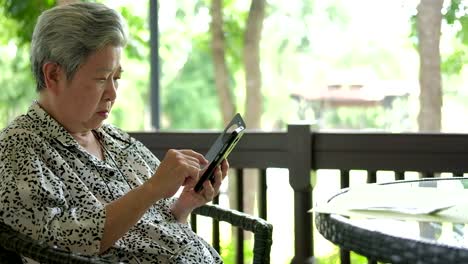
<point>111,90</point>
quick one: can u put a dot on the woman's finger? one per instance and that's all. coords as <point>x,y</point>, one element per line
<point>208,191</point>
<point>193,154</point>
<point>218,178</point>
<point>224,168</point>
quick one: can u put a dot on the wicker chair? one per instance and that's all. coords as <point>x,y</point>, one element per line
<point>14,244</point>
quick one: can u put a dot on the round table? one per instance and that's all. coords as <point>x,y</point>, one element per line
<point>397,240</point>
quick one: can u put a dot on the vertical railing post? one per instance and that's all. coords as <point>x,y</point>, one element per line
<point>262,194</point>
<point>299,157</point>
<point>371,176</point>
<point>240,207</point>
<point>155,66</point>
<point>345,255</point>
<point>399,175</point>
<point>215,236</point>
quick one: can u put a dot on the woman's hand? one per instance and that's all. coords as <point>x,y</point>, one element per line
<point>189,199</point>
<point>179,167</point>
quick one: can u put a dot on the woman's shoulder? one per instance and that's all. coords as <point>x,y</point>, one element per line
<point>117,133</point>
<point>123,140</point>
<point>19,134</point>
<point>20,127</point>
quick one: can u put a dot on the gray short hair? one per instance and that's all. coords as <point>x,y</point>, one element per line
<point>68,34</point>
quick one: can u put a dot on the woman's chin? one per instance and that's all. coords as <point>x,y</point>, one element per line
<point>95,124</point>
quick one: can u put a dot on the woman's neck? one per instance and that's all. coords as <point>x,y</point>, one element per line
<point>90,142</point>
<point>55,112</point>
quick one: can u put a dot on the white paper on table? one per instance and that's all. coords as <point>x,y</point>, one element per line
<point>401,202</point>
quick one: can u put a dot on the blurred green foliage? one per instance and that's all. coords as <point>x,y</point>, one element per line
<point>455,15</point>
<point>24,14</point>
<point>16,25</point>
<point>303,44</point>
<point>293,58</point>
<point>189,96</point>
<point>18,88</point>
<point>228,251</point>
<point>334,258</point>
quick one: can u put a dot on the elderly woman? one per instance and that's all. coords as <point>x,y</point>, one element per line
<point>70,180</point>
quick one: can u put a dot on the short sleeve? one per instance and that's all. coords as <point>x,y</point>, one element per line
<point>33,201</point>
<point>150,159</point>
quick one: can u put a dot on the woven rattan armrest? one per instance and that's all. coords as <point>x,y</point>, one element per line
<point>261,229</point>
<point>13,244</point>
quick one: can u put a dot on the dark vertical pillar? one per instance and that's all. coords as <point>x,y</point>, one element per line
<point>240,208</point>
<point>262,193</point>
<point>155,70</point>
<point>344,179</point>
<point>299,157</point>
<point>215,237</point>
<point>345,255</point>
<point>399,175</point>
<point>371,176</point>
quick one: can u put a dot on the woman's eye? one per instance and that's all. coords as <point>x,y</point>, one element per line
<point>103,80</point>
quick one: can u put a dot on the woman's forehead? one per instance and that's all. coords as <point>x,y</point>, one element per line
<point>104,60</point>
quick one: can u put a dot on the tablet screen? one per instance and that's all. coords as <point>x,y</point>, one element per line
<point>221,148</point>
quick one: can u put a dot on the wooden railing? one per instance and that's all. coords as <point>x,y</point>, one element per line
<point>301,151</point>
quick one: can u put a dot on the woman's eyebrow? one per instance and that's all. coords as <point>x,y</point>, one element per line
<point>119,70</point>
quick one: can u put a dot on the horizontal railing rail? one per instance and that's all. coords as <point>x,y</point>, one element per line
<point>425,153</point>
<point>256,150</point>
<point>386,151</point>
<point>302,151</point>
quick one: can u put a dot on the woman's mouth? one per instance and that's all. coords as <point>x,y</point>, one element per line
<point>104,114</point>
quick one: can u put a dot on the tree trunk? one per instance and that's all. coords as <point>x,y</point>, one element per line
<point>253,75</point>
<point>429,21</point>
<point>253,99</point>
<point>253,109</point>
<point>225,97</point>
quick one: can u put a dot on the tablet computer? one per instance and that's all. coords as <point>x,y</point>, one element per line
<point>221,148</point>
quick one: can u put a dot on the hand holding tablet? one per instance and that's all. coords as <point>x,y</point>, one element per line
<point>221,148</point>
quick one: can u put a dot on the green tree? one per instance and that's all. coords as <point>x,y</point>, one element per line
<point>18,88</point>
<point>17,84</point>
<point>188,98</point>
<point>429,19</point>
<point>250,57</point>
<point>455,15</point>
<point>16,29</point>
<point>24,14</point>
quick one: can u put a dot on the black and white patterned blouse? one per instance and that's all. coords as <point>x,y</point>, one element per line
<point>53,190</point>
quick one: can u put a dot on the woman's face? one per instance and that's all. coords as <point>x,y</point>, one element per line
<point>86,100</point>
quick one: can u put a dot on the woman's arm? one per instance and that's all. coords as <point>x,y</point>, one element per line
<point>125,212</point>
<point>176,169</point>
<point>189,199</point>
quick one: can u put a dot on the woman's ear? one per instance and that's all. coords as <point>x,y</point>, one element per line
<point>53,77</point>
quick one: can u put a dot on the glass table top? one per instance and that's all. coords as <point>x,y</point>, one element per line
<point>445,230</point>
